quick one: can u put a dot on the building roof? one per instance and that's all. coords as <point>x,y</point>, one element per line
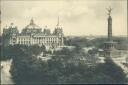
<point>32,25</point>
<point>42,34</point>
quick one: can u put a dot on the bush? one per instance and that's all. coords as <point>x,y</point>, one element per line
<point>61,69</point>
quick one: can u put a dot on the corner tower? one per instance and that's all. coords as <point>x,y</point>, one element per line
<point>59,33</point>
<point>58,29</point>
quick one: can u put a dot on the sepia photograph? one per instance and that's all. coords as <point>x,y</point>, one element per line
<point>63,42</point>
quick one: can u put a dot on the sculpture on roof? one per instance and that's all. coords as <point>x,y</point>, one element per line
<point>109,10</point>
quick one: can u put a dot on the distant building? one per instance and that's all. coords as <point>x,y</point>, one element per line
<point>32,34</point>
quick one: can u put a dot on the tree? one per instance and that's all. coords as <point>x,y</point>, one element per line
<point>43,48</point>
<point>62,68</point>
<point>113,74</point>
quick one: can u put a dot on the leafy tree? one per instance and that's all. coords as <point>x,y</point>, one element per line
<point>112,72</point>
<point>63,68</point>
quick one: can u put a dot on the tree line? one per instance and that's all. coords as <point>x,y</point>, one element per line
<point>63,68</point>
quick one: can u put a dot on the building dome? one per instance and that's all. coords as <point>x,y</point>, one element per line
<point>32,25</point>
<point>32,28</point>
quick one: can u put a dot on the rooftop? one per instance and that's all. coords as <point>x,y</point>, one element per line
<point>32,25</point>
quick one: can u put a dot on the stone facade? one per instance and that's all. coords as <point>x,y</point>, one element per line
<point>33,34</point>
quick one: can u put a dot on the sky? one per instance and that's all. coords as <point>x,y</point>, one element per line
<point>77,17</point>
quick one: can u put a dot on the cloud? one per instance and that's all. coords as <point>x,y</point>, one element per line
<point>79,17</point>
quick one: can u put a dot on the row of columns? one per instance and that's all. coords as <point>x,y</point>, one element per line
<point>47,41</point>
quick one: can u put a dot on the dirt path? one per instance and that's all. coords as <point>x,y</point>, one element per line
<point>5,74</point>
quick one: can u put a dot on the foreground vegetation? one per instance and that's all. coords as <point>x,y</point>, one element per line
<point>63,68</point>
<point>9,52</point>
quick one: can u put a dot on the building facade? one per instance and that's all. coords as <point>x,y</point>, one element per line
<point>32,34</point>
